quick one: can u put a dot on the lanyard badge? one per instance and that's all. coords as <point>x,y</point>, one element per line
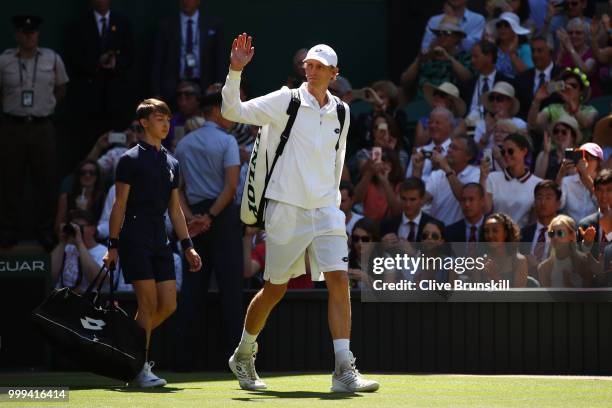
<point>27,99</point>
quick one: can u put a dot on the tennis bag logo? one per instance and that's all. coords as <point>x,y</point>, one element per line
<point>92,324</point>
<point>255,180</point>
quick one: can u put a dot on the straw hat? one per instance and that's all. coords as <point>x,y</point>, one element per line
<point>502,88</point>
<point>571,123</point>
<point>458,105</point>
<point>603,131</point>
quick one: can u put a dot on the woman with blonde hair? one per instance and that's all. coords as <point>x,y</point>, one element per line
<point>566,266</point>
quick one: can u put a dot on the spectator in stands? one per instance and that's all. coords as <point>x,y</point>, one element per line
<point>188,95</point>
<point>86,193</point>
<point>602,52</point>
<point>210,167</point>
<point>578,199</point>
<point>565,135</point>
<point>471,23</point>
<point>511,191</point>
<point>379,185</point>
<point>107,154</point>
<point>385,134</point>
<point>346,205</point>
<point>77,258</point>
<point>384,98</point>
<point>513,54</point>
<point>443,61</point>
<point>501,129</point>
<point>408,226</point>
<point>547,202</point>
<point>468,229</point>
<point>298,76</point>
<point>434,239</point>
<point>444,187</point>
<point>28,134</point>
<point>596,228</point>
<point>575,94</point>
<point>440,131</point>
<point>499,103</point>
<point>187,46</point>
<point>484,59</point>
<point>446,96</point>
<point>544,71</point>
<point>504,261</point>
<point>566,266</point>
<point>496,8</point>
<point>575,51</point>
<point>602,135</point>
<point>100,54</point>
<point>364,232</point>
<point>560,13</point>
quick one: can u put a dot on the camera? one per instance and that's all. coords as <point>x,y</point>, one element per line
<point>70,230</point>
<point>573,154</point>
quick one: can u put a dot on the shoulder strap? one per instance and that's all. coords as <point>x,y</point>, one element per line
<point>341,112</point>
<point>292,111</point>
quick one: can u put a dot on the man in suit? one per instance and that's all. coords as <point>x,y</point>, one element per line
<point>188,46</point>
<point>410,223</point>
<point>544,71</point>
<point>599,224</point>
<point>100,54</point>
<point>536,245</point>
<point>484,58</point>
<point>472,203</point>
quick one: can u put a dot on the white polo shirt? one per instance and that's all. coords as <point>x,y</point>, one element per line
<point>513,196</point>
<point>307,175</point>
<point>576,200</point>
<point>427,167</point>
<point>444,204</point>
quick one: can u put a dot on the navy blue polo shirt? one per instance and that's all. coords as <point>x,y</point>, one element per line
<point>152,175</point>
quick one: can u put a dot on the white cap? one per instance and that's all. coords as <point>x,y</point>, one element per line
<point>324,54</point>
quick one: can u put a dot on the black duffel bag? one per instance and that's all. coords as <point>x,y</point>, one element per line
<point>98,336</point>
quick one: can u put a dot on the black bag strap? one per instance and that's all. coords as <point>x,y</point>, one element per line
<point>341,112</point>
<point>104,272</point>
<point>292,111</point>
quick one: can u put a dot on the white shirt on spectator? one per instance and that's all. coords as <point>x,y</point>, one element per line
<point>468,229</point>
<point>99,17</point>
<point>576,200</point>
<point>351,224</point>
<point>427,164</point>
<point>307,175</point>
<point>476,109</point>
<point>109,160</point>
<point>196,43</point>
<point>481,127</point>
<point>404,229</point>
<point>444,204</point>
<point>513,196</point>
<point>70,273</point>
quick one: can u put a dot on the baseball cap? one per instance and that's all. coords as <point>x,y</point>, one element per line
<point>26,22</point>
<point>324,54</point>
<point>593,149</point>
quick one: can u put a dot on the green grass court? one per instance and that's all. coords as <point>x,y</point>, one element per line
<point>312,391</point>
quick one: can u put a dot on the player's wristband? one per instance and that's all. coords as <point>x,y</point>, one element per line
<point>186,243</point>
<point>113,243</point>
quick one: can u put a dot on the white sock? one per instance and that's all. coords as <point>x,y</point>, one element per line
<point>341,350</point>
<point>246,342</point>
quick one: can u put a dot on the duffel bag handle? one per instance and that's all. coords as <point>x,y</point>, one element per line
<point>107,272</point>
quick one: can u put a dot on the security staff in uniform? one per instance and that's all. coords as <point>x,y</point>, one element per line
<point>147,180</point>
<point>32,81</point>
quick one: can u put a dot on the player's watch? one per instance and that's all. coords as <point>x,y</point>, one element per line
<point>113,243</point>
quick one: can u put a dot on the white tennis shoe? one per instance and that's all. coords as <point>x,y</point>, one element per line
<point>244,370</point>
<point>346,378</point>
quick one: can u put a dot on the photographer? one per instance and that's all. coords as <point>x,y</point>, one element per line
<point>111,145</point>
<point>565,135</point>
<point>77,257</point>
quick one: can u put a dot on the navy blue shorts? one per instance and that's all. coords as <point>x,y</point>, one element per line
<point>144,251</point>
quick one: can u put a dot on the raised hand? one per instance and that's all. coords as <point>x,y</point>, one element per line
<point>242,52</point>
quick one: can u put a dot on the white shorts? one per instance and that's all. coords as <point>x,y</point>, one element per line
<point>290,230</point>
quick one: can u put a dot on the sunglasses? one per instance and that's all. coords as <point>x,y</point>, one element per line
<point>498,98</point>
<point>362,238</point>
<point>509,152</point>
<point>502,23</point>
<point>434,235</point>
<point>440,94</point>
<point>559,233</point>
<point>560,131</point>
<point>87,172</point>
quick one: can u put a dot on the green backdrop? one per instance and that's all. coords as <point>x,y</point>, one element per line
<point>355,28</point>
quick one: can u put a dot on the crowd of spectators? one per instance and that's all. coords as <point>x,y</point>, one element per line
<point>516,146</point>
